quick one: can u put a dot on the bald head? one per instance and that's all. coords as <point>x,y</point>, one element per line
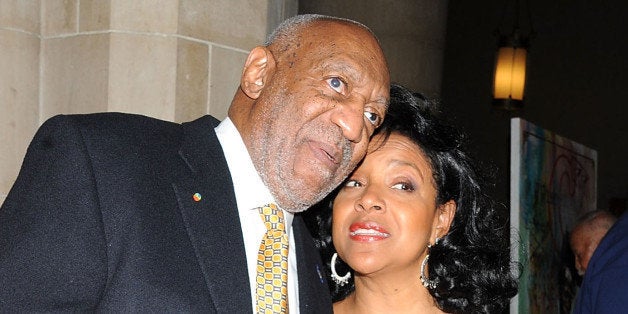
<point>293,35</point>
<point>587,234</point>
<point>288,30</point>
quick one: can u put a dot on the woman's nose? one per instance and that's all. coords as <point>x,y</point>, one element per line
<point>370,201</point>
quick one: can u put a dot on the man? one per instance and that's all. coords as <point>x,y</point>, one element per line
<point>605,284</point>
<point>586,235</point>
<point>123,213</point>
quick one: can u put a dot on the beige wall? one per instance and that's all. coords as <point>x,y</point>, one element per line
<point>170,59</point>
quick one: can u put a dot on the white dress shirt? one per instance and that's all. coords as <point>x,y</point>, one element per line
<point>251,193</point>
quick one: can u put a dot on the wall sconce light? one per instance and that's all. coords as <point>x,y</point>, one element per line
<point>509,76</point>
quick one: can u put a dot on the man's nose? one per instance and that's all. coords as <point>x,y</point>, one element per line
<point>349,117</point>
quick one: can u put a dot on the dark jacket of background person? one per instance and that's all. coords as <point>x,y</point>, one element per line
<point>605,285</point>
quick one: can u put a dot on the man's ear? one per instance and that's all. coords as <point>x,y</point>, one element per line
<point>444,217</point>
<point>258,69</point>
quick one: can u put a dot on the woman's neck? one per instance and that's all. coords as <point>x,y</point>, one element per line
<point>387,295</point>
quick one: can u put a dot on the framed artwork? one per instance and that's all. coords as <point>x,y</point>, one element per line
<point>552,182</point>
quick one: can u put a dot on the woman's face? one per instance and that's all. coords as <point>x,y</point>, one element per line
<point>385,214</point>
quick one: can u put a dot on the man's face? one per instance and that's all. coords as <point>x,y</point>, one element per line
<point>318,111</point>
<point>584,241</point>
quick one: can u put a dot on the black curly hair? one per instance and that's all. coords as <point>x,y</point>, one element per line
<point>471,264</point>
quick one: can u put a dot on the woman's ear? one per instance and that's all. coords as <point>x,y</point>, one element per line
<point>444,216</point>
<point>258,69</point>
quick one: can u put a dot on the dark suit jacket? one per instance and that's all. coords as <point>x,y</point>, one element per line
<point>102,218</point>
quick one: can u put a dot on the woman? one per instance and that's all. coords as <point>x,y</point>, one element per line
<point>414,225</point>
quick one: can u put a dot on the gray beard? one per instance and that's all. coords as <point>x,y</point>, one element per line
<point>302,206</point>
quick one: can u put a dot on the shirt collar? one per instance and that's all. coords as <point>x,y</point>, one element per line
<point>250,190</point>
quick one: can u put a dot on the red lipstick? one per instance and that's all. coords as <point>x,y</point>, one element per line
<point>367,232</point>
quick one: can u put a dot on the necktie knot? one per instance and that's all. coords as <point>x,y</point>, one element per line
<point>273,219</point>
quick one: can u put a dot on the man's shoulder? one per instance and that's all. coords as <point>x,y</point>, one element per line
<point>613,246</point>
<point>123,131</point>
<point>109,119</point>
<point>122,124</point>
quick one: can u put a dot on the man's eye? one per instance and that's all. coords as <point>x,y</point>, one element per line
<point>372,117</point>
<point>352,183</point>
<point>337,84</point>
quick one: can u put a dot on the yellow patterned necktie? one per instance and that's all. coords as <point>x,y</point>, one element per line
<point>272,263</point>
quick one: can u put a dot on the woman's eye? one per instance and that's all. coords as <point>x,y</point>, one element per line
<point>403,186</point>
<point>352,183</point>
<point>337,84</point>
<point>372,117</point>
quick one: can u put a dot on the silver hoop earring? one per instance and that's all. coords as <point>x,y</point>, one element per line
<point>427,283</point>
<point>334,275</point>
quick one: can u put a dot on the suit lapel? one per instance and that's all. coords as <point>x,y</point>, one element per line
<point>314,294</point>
<point>211,217</point>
